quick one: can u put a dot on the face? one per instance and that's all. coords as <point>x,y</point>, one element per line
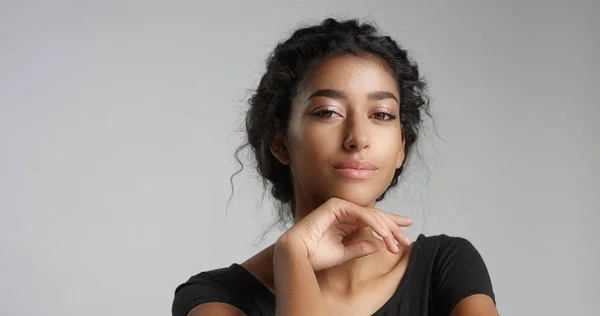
<point>344,138</point>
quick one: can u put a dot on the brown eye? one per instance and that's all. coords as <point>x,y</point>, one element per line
<point>324,113</point>
<point>384,116</point>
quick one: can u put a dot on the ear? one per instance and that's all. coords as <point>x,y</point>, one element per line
<point>401,153</point>
<point>279,149</point>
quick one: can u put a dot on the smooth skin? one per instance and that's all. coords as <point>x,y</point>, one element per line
<point>348,109</point>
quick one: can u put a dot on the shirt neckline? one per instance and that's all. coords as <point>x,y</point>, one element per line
<point>409,268</point>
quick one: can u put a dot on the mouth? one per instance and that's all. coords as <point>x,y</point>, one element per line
<point>356,169</point>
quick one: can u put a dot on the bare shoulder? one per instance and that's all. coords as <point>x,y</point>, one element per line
<point>215,308</point>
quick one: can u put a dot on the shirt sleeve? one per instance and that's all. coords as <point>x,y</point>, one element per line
<point>203,289</point>
<point>459,272</point>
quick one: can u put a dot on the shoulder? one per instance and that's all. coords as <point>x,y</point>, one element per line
<point>457,270</point>
<point>443,247</point>
<point>207,286</point>
<point>222,278</point>
<point>442,240</point>
<point>432,248</point>
<point>453,253</point>
<point>230,285</point>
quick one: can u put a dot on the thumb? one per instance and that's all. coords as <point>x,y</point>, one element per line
<point>359,249</point>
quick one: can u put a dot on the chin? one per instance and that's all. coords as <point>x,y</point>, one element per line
<point>358,196</point>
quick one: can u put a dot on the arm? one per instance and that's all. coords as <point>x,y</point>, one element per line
<point>296,286</point>
<point>297,289</point>
<point>462,284</point>
<point>215,308</point>
<point>214,292</point>
<point>476,305</point>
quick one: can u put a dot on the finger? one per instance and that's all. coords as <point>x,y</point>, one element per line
<point>359,249</point>
<point>389,240</point>
<point>396,231</point>
<point>374,218</point>
<point>352,212</point>
<point>383,221</point>
<point>400,220</point>
<point>397,234</point>
<point>401,237</point>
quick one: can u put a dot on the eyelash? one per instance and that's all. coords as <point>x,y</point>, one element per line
<point>328,113</point>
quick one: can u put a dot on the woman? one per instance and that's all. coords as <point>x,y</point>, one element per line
<point>332,120</point>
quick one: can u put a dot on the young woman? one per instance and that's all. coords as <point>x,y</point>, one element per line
<point>331,124</point>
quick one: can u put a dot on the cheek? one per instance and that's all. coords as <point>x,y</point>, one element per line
<point>312,142</point>
<point>392,149</point>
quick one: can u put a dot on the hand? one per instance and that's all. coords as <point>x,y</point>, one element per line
<point>320,233</point>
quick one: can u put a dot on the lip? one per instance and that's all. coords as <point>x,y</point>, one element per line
<point>356,164</point>
<point>356,169</point>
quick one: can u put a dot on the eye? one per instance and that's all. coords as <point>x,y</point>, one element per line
<point>384,116</point>
<point>324,113</point>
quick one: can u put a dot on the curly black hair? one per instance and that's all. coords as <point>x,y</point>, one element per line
<point>286,69</point>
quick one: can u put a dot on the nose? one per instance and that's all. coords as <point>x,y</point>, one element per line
<point>356,135</point>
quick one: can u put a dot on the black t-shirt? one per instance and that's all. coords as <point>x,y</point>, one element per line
<point>441,271</point>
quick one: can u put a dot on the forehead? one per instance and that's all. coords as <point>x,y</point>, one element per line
<point>355,75</point>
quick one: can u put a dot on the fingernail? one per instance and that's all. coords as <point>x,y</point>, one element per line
<point>376,235</point>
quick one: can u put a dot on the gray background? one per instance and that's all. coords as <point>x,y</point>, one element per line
<point>119,120</point>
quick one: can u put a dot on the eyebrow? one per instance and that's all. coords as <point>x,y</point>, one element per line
<point>336,94</point>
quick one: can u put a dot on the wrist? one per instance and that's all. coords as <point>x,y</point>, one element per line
<point>289,246</point>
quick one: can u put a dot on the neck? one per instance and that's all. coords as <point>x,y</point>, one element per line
<point>349,276</point>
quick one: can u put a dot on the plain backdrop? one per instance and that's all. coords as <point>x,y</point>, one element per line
<point>119,120</point>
